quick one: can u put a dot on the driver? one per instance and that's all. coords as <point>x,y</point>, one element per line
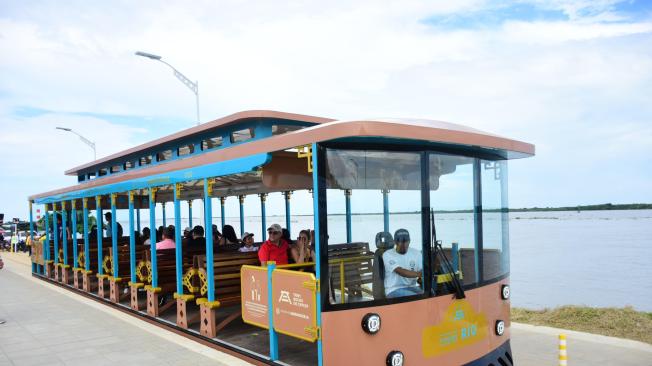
<point>403,266</point>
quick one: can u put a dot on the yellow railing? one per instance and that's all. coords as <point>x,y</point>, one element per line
<point>341,262</point>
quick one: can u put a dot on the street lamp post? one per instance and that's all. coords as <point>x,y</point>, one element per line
<point>193,86</point>
<point>84,139</point>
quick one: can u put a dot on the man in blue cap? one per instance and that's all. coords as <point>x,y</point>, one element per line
<point>403,267</point>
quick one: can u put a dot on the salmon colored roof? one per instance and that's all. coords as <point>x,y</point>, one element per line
<point>326,130</point>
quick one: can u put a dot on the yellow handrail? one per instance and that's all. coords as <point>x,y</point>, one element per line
<point>351,259</point>
<point>342,282</point>
<point>296,265</point>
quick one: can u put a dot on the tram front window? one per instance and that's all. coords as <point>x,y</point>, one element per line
<point>374,246</point>
<point>495,219</point>
<point>451,198</point>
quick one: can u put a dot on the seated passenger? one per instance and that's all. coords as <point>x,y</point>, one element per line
<point>146,235</point>
<point>248,241</point>
<point>198,239</point>
<point>403,266</point>
<point>275,248</point>
<point>167,241</point>
<point>301,252</point>
<point>187,234</point>
<point>228,236</point>
<point>92,234</point>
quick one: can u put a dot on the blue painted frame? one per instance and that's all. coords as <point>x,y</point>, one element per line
<point>73,231</point>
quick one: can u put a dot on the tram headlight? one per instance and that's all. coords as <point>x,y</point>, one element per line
<point>500,327</point>
<point>371,323</point>
<point>395,358</point>
<point>504,292</point>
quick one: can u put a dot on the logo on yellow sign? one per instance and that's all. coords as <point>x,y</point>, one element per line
<point>461,327</point>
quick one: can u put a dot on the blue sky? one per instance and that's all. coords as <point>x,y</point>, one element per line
<point>572,77</point>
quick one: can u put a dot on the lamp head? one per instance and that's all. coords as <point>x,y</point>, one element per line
<point>148,55</point>
<point>64,129</point>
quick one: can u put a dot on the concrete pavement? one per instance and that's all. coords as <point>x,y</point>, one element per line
<point>47,325</point>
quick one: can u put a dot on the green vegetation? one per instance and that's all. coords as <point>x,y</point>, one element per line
<point>604,206</point>
<point>615,322</point>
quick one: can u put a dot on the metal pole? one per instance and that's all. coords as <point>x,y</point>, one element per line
<point>132,239</point>
<point>31,235</point>
<point>197,99</point>
<point>190,214</point>
<point>263,218</point>
<point>241,199</point>
<point>56,234</point>
<point>87,257</point>
<point>100,223</point>
<point>73,217</point>
<point>64,233</point>
<point>114,237</point>
<point>152,235</point>
<point>177,239</point>
<point>208,213</point>
<point>273,338</point>
<point>386,209</point>
<point>138,218</point>
<point>46,250</point>
<point>347,196</point>
<point>222,201</point>
<point>318,243</point>
<point>163,213</point>
<point>287,195</point>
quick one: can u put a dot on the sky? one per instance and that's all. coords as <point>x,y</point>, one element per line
<point>573,78</point>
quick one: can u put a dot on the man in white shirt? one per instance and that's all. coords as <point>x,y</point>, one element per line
<point>403,267</point>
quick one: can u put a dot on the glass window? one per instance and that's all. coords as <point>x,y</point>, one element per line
<point>186,150</point>
<point>211,143</point>
<point>116,168</point>
<point>281,129</point>
<point>103,171</point>
<point>242,135</point>
<point>145,160</point>
<point>495,219</point>
<point>164,155</point>
<point>129,165</point>
<point>384,189</point>
<point>451,199</point>
<point>90,176</point>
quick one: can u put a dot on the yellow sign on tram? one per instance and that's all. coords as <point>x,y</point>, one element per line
<point>461,327</point>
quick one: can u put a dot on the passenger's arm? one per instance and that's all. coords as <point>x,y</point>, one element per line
<point>407,273</point>
<point>296,256</point>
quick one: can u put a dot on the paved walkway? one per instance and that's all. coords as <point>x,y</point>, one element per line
<point>47,325</point>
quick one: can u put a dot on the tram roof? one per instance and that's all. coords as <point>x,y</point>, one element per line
<point>324,129</point>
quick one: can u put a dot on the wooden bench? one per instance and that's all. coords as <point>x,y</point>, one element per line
<point>350,268</point>
<point>226,276</point>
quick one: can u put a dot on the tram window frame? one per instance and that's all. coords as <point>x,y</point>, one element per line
<point>212,143</point>
<point>279,129</point>
<point>327,305</point>
<point>242,135</point>
<point>128,165</point>
<point>186,150</point>
<point>145,160</point>
<point>102,172</point>
<point>116,169</point>
<point>91,175</point>
<point>491,171</point>
<point>164,155</point>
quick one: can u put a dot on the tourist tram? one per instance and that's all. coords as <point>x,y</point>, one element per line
<point>408,264</point>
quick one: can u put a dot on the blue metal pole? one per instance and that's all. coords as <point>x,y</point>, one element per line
<point>132,239</point>
<point>56,234</point>
<point>64,232</point>
<point>163,214</point>
<point>87,257</point>
<point>152,235</point>
<point>100,223</point>
<point>222,201</point>
<point>273,338</point>
<point>241,199</point>
<point>263,218</point>
<point>138,219</point>
<point>31,235</point>
<point>177,239</point>
<point>73,217</point>
<point>287,195</point>
<point>114,237</point>
<point>347,196</point>
<point>190,214</point>
<point>386,209</point>
<point>316,213</point>
<point>46,250</point>
<point>208,214</point>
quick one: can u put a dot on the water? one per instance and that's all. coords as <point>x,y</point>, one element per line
<point>594,258</point>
